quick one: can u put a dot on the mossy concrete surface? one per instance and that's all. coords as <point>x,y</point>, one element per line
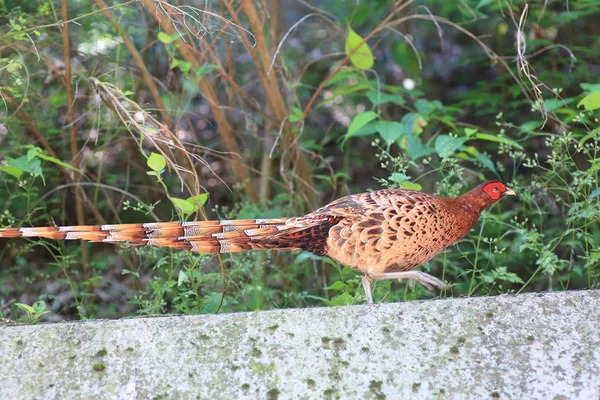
<point>529,346</point>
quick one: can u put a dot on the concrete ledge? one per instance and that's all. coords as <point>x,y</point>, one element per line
<point>544,346</point>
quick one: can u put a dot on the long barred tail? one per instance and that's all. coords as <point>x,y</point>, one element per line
<point>201,236</point>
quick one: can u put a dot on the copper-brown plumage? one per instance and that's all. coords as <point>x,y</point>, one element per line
<point>384,234</point>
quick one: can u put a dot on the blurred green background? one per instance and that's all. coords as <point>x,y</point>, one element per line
<point>149,111</point>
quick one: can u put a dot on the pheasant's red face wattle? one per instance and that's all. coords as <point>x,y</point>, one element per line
<point>495,190</point>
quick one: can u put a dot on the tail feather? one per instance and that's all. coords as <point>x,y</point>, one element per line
<point>202,236</point>
<point>226,236</point>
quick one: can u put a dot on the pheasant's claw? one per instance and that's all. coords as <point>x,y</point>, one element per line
<point>429,281</point>
<point>411,283</point>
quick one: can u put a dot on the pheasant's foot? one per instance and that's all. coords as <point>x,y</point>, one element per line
<point>366,281</point>
<point>424,279</point>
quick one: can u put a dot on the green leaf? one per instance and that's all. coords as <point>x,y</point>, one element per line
<point>482,158</point>
<point>125,271</point>
<point>589,136</point>
<point>26,307</point>
<point>362,58</point>
<point>483,3</point>
<point>389,131</point>
<point>184,66</point>
<point>343,299</point>
<point>345,90</point>
<point>380,98</point>
<point>182,278</point>
<point>426,107</point>
<point>486,161</point>
<point>14,67</point>
<point>595,166</point>
<point>470,131</point>
<point>184,206</point>
<point>413,123</point>
<point>296,114</point>
<point>398,177</point>
<point>156,162</point>
<point>13,171</point>
<point>590,102</point>
<point>361,120</point>
<point>501,274</point>
<point>499,139</point>
<point>57,161</point>
<point>414,147</point>
<point>308,256</point>
<point>337,285</point>
<point>40,307</point>
<point>205,69</point>
<point>446,145</point>
<point>164,38</point>
<point>31,153</point>
<point>198,200</point>
<point>32,166</point>
<point>347,74</point>
<point>410,185</point>
<point>366,130</point>
<point>590,87</point>
<point>595,192</point>
<point>57,99</point>
<point>403,180</point>
<point>529,126</point>
<point>554,104</point>
<point>211,303</point>
<point>361,13</point>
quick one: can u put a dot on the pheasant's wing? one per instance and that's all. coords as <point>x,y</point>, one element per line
<point>372,225</point>
<point>356,205</point>
<point>364,231</point>
<point>346,207</point>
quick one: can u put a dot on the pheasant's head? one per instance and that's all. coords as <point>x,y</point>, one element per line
<point>496,189</point>
<point>486,194</point>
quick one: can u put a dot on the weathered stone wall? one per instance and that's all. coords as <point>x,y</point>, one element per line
<point>530,346</point>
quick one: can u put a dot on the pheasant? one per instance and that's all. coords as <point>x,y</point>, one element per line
<point>384,234</point>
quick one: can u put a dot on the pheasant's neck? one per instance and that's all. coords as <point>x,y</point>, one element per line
<point>473,203</point>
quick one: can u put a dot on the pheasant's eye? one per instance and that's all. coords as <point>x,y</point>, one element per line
<point>495,189</point>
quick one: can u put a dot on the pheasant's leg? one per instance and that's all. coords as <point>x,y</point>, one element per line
<point>424,279</point>
<point>366,281</point>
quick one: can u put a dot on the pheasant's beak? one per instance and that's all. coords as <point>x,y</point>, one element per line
<point>510,192</point>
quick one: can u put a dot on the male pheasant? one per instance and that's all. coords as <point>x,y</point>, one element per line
<point>384,234</point>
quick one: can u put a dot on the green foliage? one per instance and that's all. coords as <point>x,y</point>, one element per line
<point>33,313</point>
<point>359,53</point>
<point>271,126</point>
<point>590,102</point>
<point>157,163</point>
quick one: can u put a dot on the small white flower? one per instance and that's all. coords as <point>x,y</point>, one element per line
<point>408,84</point>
